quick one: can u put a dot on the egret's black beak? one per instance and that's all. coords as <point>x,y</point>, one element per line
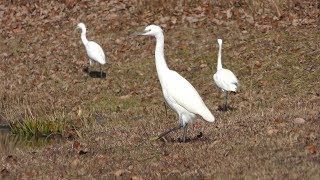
<point>139,33</point>
<point>136,34</point>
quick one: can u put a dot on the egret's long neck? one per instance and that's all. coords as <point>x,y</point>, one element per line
<point>83,36</point>
<point>219,66</point>
<point>161,64</point>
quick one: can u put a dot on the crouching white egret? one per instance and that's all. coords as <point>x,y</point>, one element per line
<point>94,50</point>
<point>224,78</point>
<point>178,93</point>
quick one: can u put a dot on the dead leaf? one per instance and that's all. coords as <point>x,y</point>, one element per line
<point>250,19</point>
<point>120,172</point>
<point>192,19</point>
<point>203,65</point>
<point>75,163</point>
<point>125,96</point>
<point>27,175</point>
<point>312,149</point>
<point>101,159</point>
<point>70,3</point>
<point>296,22</point>
<point>257,64</point>
<point>229,13</point>
<point>112,16</point>
<point>136,178</point>
<point>271,130</point>
<point>119,41</point>
<point>299,121</point>
<point>216,21</point>
<point>99,138</point>
<point>173,20</point>
<point>164,19</point>
<point>76,145</point>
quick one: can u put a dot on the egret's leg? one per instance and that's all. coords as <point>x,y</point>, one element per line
<point>184,133</point>
<point>225,100</point>
<point>169,131</point>
<point>100,71</point>
<point>89,66</point>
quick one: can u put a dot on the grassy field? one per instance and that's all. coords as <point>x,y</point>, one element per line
<point>101,127</point>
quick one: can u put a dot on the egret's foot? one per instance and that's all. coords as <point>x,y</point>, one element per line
<point>182,140</point>
<point>224,108</point>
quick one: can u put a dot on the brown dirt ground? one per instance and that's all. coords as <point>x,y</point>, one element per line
<point>273,48</point>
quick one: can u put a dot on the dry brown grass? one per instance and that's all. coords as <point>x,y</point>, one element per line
<point>276,60</point>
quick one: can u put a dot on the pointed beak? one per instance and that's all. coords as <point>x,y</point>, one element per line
<point>136,34</point>
<point>77,27</point>
<point>139,33</point>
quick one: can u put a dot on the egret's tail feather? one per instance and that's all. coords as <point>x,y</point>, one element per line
<point>208,116</point>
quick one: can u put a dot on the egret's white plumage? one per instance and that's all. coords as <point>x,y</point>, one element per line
<point>94,50</point>
<point>179,94</point>
<point>224,78</point>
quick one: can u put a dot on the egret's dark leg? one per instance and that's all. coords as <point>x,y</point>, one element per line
<point>100,71</point>
<point>170,130</point>
<point>225,100</point>
<point>89,67</point>
<point>184,133</point>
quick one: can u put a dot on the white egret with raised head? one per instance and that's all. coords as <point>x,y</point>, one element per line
<point>224,78</point>
<point>94,50</point>
<point>178,93</point>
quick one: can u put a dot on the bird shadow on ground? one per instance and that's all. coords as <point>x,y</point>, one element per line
<point>198,137</point>
<point>94,74</point>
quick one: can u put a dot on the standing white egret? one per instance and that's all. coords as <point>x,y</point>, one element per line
<point>178,93</point>
<point>94,50</point>
<point>224,78</point>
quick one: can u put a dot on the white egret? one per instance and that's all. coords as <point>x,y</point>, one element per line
<point>178,93</point>
<point>94,50</point>
<point>224,78</point>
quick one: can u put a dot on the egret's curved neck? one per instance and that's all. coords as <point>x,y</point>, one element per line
<point>219,66</point>
<point>83,36</point>
<point>161,64</point>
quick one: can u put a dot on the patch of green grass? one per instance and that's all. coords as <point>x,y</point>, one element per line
<point>39,126</point>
